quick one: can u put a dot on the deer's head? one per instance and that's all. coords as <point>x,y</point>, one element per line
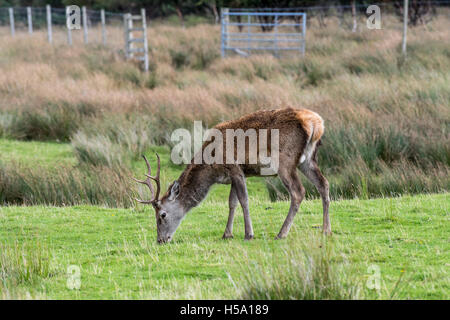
<point>168,210</point>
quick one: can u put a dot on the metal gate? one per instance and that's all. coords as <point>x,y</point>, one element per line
<point>246,31</point>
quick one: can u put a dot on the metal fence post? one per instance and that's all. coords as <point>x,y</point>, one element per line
<point>224,20</point>
<point>304,34</point>
<point>276,37</point>
<point>85,27</point>
<point>49,23</point>
<point>144,27</point>
<point>355,21</point>
<point>102,17</point>
<point>30,20</point>
<point>11,21</point>
<point>249,21</point>
<point>130,35</point>
<point>405,25</point>
<point>126,33</point>
<point>69,30</point>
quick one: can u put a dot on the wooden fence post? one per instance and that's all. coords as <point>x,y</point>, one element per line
<point>85,27</point>
<point>30,20</point>
<point>11,21</point>
<point>49,23</point>
<point>102,17</point>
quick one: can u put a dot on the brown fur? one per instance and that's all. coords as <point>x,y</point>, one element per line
<point>311,122</point>
<point>277,118</point>
<point>300,133</point>
<point>295,129</point>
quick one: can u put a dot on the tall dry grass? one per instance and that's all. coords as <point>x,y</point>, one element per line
<point>387,118</point>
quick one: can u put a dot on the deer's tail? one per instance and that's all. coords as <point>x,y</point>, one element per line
<point>313,126</point>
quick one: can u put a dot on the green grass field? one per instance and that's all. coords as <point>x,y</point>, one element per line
<point>75,120</point>
<point>407,238</point>
<point>36,153</point>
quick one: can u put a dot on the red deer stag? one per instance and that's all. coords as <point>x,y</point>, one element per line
<point>299,132</point>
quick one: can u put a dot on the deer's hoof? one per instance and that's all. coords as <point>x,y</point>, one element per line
<point>227,236</point>
<point>248,237</point>
<point>279,237</point>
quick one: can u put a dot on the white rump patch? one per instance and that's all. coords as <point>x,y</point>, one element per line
<point>302,158</point>
<point>308,152</point>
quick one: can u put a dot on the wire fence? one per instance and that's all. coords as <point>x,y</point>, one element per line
<point>58,17</point>
<point>73,26</point>
<point>32,19</point>
<point>349,15</point>
<point>108,28</point>
<point>343,7</point>
<point>319,13</point>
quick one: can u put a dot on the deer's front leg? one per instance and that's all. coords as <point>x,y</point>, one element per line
<point>240,187</point>
<point>232,201</point>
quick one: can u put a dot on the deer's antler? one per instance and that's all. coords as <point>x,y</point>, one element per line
<point>148,182</point>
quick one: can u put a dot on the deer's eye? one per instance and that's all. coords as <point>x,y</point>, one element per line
<point>162,215</point>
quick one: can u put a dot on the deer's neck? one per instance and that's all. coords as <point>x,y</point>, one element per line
<point>195,183</point>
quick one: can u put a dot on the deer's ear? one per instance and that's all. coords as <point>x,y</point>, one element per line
<point>174,191</point>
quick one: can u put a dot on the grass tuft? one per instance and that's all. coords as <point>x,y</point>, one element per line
<point>65,185</point>
<point>22,263</point>
<point>310,271</point>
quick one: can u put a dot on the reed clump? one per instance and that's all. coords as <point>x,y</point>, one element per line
<point>387,119</point>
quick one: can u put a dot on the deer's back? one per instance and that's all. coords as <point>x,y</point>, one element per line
<point>288,121</point>
<point>296,128</point>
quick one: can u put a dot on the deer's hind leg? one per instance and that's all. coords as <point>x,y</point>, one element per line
<point>311,170</point>
<point>232,202</point>
<point>238,183</point>
<point>296,191</point>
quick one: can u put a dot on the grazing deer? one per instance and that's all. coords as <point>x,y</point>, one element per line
<point>299,131</point>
